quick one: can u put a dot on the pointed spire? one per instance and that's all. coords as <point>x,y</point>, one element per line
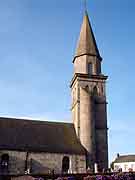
<point>87,43</point>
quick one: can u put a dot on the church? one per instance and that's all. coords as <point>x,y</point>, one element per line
<point>40,147</point>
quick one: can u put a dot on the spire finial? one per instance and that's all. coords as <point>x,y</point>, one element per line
<point>85,6</point>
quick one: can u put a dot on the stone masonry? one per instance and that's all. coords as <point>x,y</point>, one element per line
<point>89,98</point>
<point>43,163</point>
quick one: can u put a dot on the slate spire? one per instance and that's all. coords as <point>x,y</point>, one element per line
<point>86,44</point>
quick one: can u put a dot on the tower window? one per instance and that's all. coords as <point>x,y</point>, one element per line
<point>65,164</point>
<point>90,68</point>
<point>95,91</point>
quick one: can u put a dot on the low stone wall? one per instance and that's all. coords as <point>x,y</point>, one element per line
<point>23,178</point>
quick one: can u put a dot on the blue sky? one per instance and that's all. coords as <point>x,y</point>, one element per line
<point>37,44</point>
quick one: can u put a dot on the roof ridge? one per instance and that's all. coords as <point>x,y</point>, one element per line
<point>33,120</point>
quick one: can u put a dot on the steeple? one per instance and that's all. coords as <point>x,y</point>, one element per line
<point>86,44</point>
<point>89,109</point>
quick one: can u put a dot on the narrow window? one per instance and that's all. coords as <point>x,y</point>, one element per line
<point>132,167</point>
<point>95,91</point>
<point>117,167</point>
<point>65,164</point>
<point>4,163</point>
<point>125,167</point>
<point>90,69</point>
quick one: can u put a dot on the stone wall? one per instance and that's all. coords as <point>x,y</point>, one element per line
<point>41,163</point>
<point>23,178</point>
<point>16,161</point>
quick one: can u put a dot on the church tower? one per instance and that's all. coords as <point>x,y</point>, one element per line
<point>89,98</point>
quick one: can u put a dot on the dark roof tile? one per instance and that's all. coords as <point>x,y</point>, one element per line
<point>39,136</point>
<point>125,158</point>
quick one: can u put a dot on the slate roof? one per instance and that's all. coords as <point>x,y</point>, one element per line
<point>39,136</point>
<point>86,43</point>
<point>125,158</point>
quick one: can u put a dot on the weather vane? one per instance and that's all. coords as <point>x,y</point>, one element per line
<point>85,5</point>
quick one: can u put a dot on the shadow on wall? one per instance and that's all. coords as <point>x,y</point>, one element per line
<point>38,168</point>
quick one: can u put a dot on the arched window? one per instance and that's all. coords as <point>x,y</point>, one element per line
<point>73,96</point>
<point>90,69</point>
<point>65,164</point>
<point>95,91</point>
<point>87,88</point>
<point>4,161</point>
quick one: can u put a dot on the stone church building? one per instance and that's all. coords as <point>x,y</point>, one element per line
<point>40,147</point>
